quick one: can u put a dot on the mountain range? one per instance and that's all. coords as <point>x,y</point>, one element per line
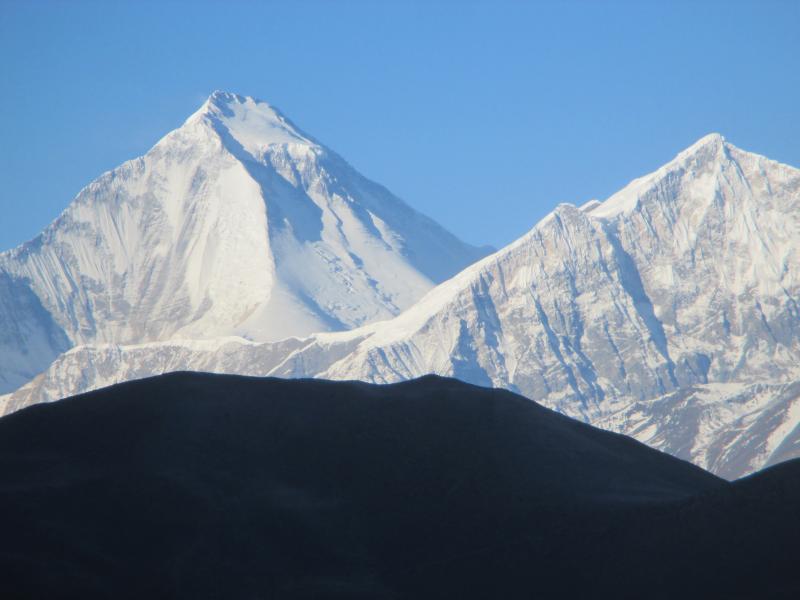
<point>667,312</point>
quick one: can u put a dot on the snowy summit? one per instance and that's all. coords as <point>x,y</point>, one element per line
<point>236,223</point>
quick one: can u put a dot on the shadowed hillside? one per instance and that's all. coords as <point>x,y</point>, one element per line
<point>205,486</point>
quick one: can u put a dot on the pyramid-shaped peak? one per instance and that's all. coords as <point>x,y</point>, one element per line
<point>221,96</point>
<point>708,150</point>
<point>712,141</point>
<point>711,138</point>
<point>253,123</point>
<point>222,100</point>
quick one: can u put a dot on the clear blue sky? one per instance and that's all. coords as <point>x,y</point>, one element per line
<point>483,115</point>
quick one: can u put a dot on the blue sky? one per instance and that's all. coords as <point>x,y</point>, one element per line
<point>483,115</point>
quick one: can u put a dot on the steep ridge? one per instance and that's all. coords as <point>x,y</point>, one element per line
<point>202,486</point>
<point>628,313</point>
<point>237,223</point>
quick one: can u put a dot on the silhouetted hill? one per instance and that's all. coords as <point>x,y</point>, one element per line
<point>204,486</point>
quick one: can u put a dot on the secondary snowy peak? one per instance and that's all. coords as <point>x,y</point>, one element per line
<point>700,158</point>
<point>660,236</point>
<point>236,223</point>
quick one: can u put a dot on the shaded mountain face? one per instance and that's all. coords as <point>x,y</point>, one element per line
<point>667,312</point>
<point>237,223</point>
<point>193,485</point>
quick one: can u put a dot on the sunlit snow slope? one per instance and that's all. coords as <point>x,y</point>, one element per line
<point>668,312</point>
<point>237,223</point>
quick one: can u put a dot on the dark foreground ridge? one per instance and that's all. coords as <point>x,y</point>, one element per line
<point>208,486</point>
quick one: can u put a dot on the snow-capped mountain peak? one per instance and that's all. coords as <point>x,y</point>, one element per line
<point>713,139</point>
<point>253,124</point>
<point>698,164</point>
<point>236,223</point>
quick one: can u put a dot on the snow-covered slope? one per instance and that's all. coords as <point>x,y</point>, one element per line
<point>689,275</point>
<point>731,429</point>
<point>237,223</point>
<point>633,314</point>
